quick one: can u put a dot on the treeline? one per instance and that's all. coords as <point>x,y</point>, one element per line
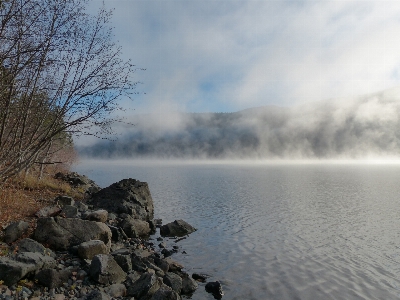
<point>60,74</point>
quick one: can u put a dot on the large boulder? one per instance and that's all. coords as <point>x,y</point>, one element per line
<point>135,228</point>
<point>81,181</point>
<point>145,286</point>
<point>15,230</point>
<point>105,270</point>
<point>128,196</point>
<point>62,233</point>
<point>177,228</point>
<point>12,271</point>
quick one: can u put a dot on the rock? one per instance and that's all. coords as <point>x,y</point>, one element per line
<point>15,230</point>
<point>173,266</point>
<point>81,206</point>
<point>48,211</point>
<point>60,233</point>
<point>189,285</point>
<point>215,288</point>
<point>165,293</point>
<point>105,270</point>
<point>116,290</point>
<point>128,196</point>
<point>98,216</point>
<point>200,277</point>
<point>135,228</point>
<point>29,245</point>
<point>174,281</point>
<point>118,234</point>
<point>69,211</point>
<point>64,200</point>
<point>145,286</point>
<point>12,271</point>
<point>176,228</point>
<point>39,260</point>
<point>87,250</point>
<point>81,181</point>
<point>124,261</point>
<point>97,295</point>
<point>52,278</point>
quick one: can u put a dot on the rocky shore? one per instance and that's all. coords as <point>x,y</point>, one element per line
<point>102,248</point>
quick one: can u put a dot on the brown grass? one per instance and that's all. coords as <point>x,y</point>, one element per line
<point>23,196</point>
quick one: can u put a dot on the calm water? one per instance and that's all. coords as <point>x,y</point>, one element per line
<point>280,231</point>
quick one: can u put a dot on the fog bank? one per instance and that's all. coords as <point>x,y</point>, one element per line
<point>365,126</point>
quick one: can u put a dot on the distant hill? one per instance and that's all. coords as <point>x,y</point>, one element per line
<point>355,128</point>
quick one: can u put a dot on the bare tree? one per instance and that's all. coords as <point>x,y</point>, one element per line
<point>60,72</point>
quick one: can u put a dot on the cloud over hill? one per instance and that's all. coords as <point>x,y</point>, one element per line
<point>340,128</point>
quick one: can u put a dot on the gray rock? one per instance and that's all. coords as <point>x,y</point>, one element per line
<point>189,285</point>
<point>69,211</point>
<point>165,293</point>
<point>173,266</point>
<point>177,228</point>
<point>215,288</point>
<point>29,245</point>
<point>116,290</point>
<point>64,200</point>
<point>128,196</point>
<point>105,270</point>
<point>145,286</point>
<point>174,281</point>
<point>48,211</point>
<point>81,181</point>
<point>118,233</point>
<point>52,278</point>
<point>135,228</point>
<point>81,206</point>
<point>87,250</point>
<point>124,261</point>
<point>39,260</point>
<point>61,233</point>
<point>97,295</point>
<point>15,230</point>
<point>100,215</point>
<point>12,271</point>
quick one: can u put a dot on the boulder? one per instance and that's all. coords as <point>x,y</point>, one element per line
<point>12,271</point>
<point>15,230</point>
<point>176,228</point>
<point>87,250</point>
<point>215,288</point>
<point>189,285</point>
<point>52,278</point>
<point>97,295</point>
<point>100,215</point>
<point>62,233</point>
<point>29,245</point>
<point>105,270</point>
<point>145,286</point>
<point>48,211</point>
<point>64,200</point>
<point>165,293</point>
<point>135,228</point>
<point>128,196</point>
<point>174,281</point>
<point>39,260</point>
<point>116,290</point>
<point>69,211</point>
<point>124,261</point>
<point>81,181</point>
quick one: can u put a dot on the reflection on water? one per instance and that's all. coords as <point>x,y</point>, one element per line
<point>280,231</point>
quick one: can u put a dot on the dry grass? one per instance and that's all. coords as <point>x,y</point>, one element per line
<point>22,197</point>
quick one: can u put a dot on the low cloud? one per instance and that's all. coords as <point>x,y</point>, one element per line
<point>356,127</point>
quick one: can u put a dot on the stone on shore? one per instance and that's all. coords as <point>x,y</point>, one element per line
<point>135,228</point>
<point>105,270</point>
<point>146,285</point>
<point>61,234</point>
<point>87,250</point>
<point>15,230</point>
<point>12,271</point>
<point>215,288</point>
<point>128,196</point>
<point>177,228</point>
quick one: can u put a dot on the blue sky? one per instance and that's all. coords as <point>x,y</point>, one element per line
<point>223,56</point>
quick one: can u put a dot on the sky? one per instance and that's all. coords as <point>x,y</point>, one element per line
<point>225,56</point>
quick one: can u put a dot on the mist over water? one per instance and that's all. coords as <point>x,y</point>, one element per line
<point>359,127</point>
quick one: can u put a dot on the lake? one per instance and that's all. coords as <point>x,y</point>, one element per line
<point>279,230</point>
